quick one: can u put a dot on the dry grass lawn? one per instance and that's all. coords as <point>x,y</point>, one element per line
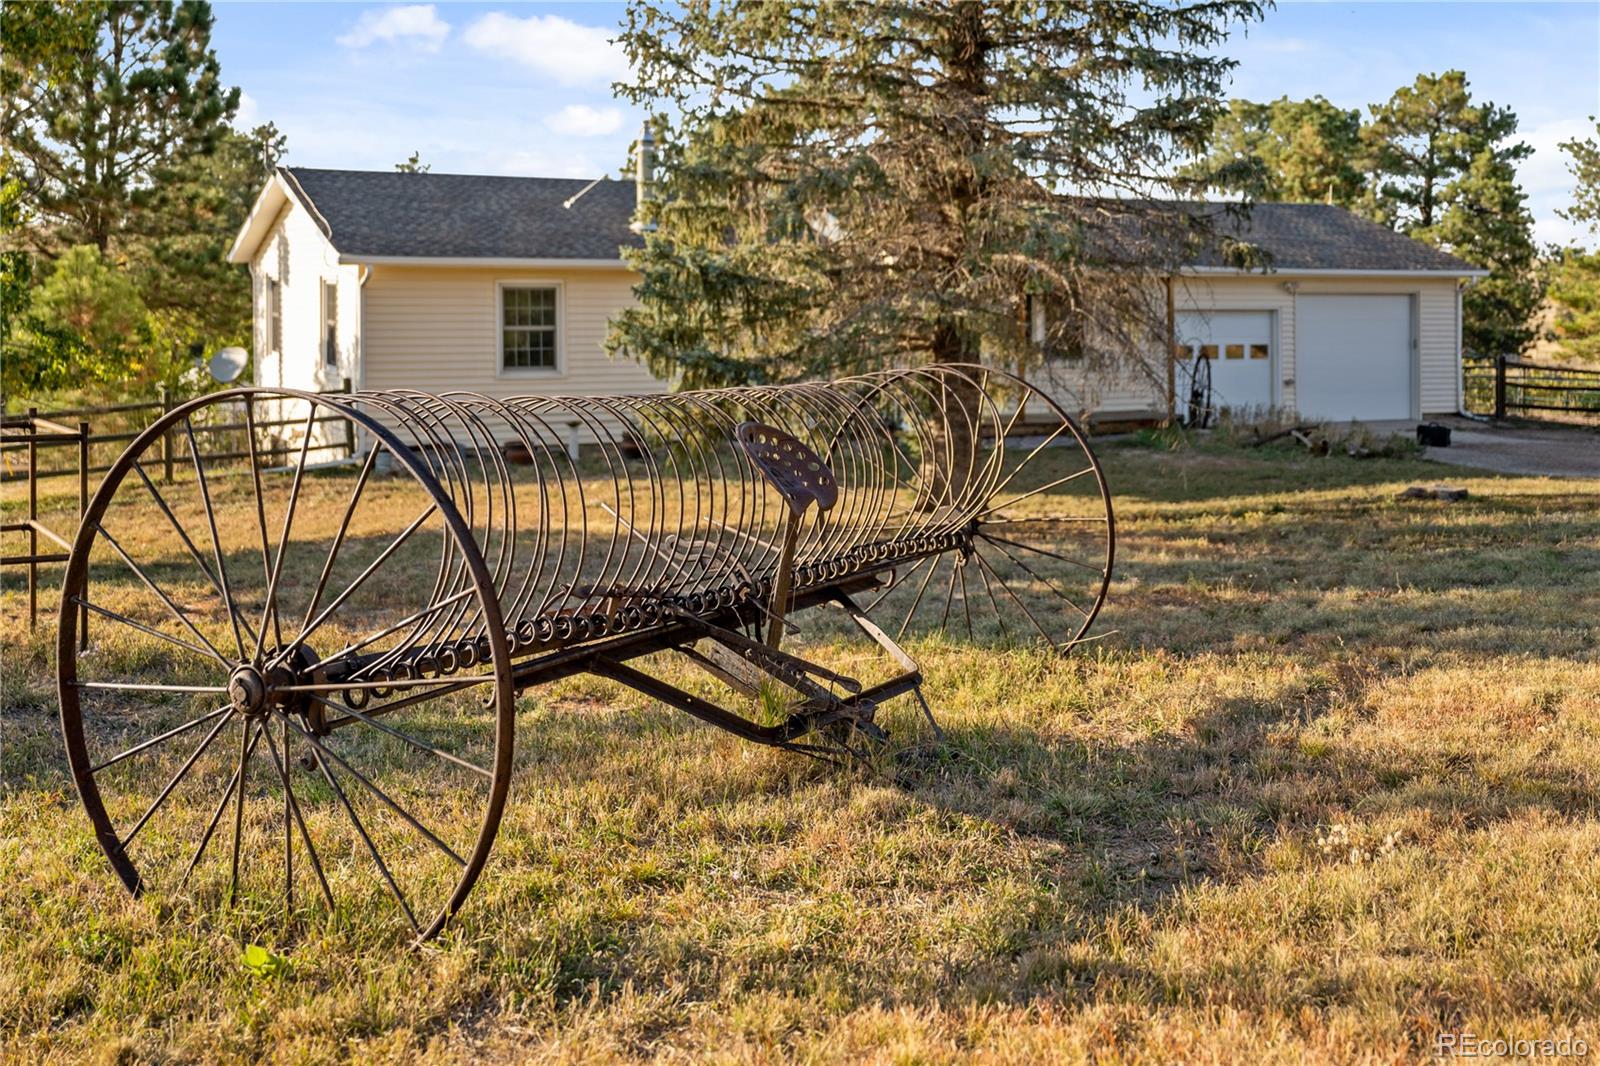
<point>1329,789</point>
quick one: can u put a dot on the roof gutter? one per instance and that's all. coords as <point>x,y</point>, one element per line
<point>483,261</point>
<point>620,264</point>
<point>1398,272</point>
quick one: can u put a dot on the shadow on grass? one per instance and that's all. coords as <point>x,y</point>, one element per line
<point>632,805</point>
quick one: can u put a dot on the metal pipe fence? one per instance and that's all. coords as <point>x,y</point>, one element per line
<point>220,434</point>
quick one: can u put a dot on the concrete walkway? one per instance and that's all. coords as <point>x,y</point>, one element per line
<point>1543,451</point>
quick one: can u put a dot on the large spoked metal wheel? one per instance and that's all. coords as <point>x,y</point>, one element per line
<point>1032,521</point>
<point>297,691</point>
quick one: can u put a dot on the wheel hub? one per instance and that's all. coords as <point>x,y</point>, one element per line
<point>248,690</point>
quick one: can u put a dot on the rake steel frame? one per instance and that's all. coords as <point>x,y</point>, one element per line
<point>568,535</point>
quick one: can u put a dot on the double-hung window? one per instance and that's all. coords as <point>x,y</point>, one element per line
<point>274,315</point>
<point>529,330</point>
<point>330,323</point>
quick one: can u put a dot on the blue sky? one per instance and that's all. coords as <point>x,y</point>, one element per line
<point>524,88</point>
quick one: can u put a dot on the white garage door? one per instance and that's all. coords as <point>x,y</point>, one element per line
<point>1353,357</point>
<point>1239,345</point>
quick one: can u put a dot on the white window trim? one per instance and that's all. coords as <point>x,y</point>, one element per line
<point>500,368</point>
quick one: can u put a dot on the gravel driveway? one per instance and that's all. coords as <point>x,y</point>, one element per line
<point>1549,451</point>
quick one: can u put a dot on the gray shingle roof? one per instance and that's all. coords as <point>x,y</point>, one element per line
<point>385,213</point>
<point>378,213</point>
<point>1321,237</point>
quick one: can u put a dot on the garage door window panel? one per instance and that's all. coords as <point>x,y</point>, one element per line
<point>1239,345</point>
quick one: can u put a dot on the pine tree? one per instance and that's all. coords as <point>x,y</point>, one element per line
<point>104,100</point>
<point>1444,172</point>
<point>1423,139</point>
<point>186,226</point>
<point>1575,274</point>
<point>1487,222</point>
<point>1575,292</point>
<point>1292,150</point>
<point>1584,164</point>
<point>847,184</point>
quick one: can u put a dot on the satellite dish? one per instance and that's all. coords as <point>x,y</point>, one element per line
<point>227,363</point>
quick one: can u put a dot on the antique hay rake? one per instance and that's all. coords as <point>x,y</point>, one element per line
<point>307,671</point>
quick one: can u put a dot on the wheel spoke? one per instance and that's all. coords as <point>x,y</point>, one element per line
<point>157,740</point>
<point>261,509</point>
<point>144,686</point>
<point>372,848</point>
<point>106,612</point>
<point>404,814</point>
<point>177,611</point>
<point>914,603</point>
<point>276,567</point>
<point>1015,598</point>
<point>1006,520</point>
<point>216,541</point>
<point>183,772</point>
<point>415,697</point>
<point>338,539</point>
<point>409,619</point>
<point>216,815</point>
<point>1034,492</point>
<point>183,536</point>
<point>949,593</point>
<point>398,735</point>
<point>394,546</point>
<point>966,600</point>
<point>1038,576</point>
<point>998,489</point>
<point>288,833</point>
<point>1098,571</point>
<point>153,741</point>
<point>994,604</point>
<point>292,808</point>
<point>238,811</point>
<point>895,582</point>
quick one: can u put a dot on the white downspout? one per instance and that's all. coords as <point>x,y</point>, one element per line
<point>1461,370</point>
<point>363,275</point>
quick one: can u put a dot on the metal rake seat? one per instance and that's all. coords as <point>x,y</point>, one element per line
<point>308,686</point>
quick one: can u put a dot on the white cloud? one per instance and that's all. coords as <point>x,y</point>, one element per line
<point>417,24</point>
<point>581,120</point>
<point>249,114</point>
<point>1548,182</point>
<point>570,53</point>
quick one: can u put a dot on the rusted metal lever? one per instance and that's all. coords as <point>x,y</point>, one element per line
<point>801,477</point>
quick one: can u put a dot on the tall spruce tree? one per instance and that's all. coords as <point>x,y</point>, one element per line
<point>104,99</point>
<point>1444,171</point>
<point>843,185</point>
